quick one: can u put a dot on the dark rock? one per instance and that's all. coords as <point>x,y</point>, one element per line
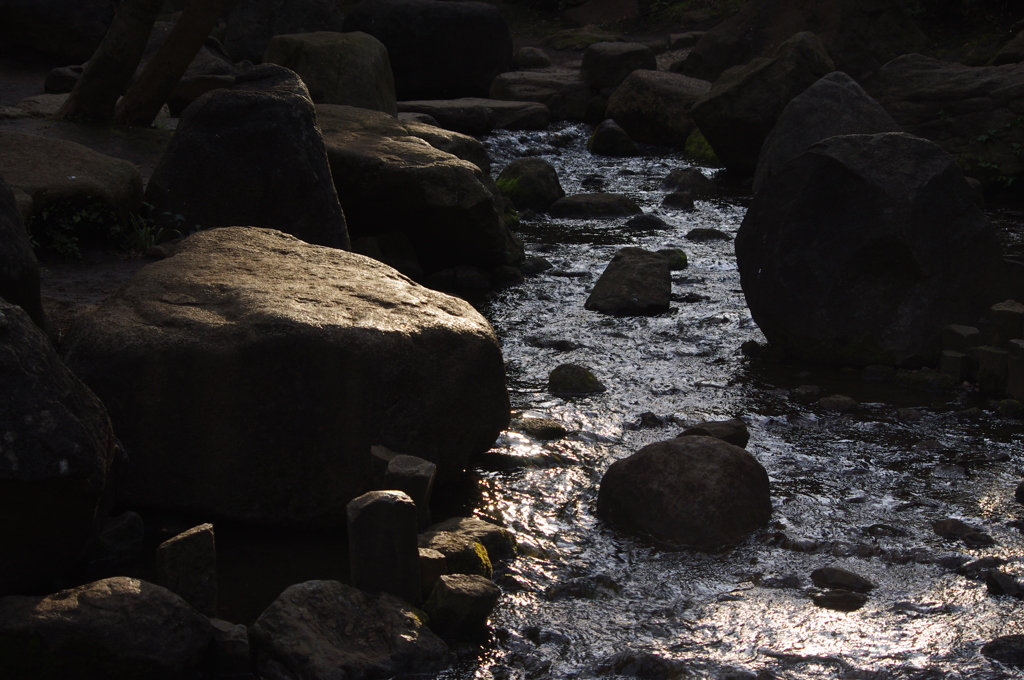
<point>382,543</point>
<point>433,565</point>
<point>860,35</point>
<point>680,41</point>
<point>119,540</point>
<point>606,64</point>
<point>840,600</point>
<point>561,90</point>
<point>833,105</point>
<point>968,111</point>
<point>646,222</point>
<point>609,139</point>
<point>999,583</point>
<point>438,50</point>
<point>1012,52</point>
<point>951,528</point>
<point>477,116</point>
<point>410,117</point>
<point>838,403</point>
<point>697,492</point>
<point>253,23</point>
<point>391,182</point>
<point>977,539</point>
<point>596,587</point>
<point>654,106</point>
<point>1008,649</point>
<point>636,664</point>
<point>229,649</point>
<point>583,206</point>
<point>19,269</point>
<point>338,68</point>
<point>867,292</point>
<point>252,156</point>
<point>325,629</point>
<point>882,374</point>
<point>544,429</point>
<point>56,462</point>
<point>636,282</point>
<point>64,29</point>
<point>707,234</point>
<point>733,431</point>
<point>1018,494</point>
<point>118,628</point>
<point>742,107</point>
<point>530,57</point>
<point>833,577</point>
<point>415,477</point>
<point>204,317</point>
<point>677,260</point>
<point>691,180</point>
<point>570,380</point>
<point>187,565</point>
<point>463,554</point>
<point>460,605</point>
<point>806,394</point>
<point>500,543</point>
<point>530,183</point>
<point>62,79</point>
<point>680,200</point>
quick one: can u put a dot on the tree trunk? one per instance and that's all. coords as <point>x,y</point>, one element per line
<point>143,101</point>
<point>107,73</point>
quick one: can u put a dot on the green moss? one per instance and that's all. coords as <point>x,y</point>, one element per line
<point>699,150</point>
<point>676,258</point>
<point>508,186</point>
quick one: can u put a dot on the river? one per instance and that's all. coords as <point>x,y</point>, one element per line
<point>858,490</point>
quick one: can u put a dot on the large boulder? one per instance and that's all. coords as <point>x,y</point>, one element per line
<point>253,23</point>
<point>1012,52</point>
<point>654,106</point>
<point>326,629</point>
<point>338,68</point>
<point>251,155</point>
<point>973,113</point>
<point>689,492</point>
<point>65,180</point>
<point>861,249</point>
<point>117,629</point>
<point>741,108</point>
<point>392,182</point>
<point>860,35</point>
<point>636,282</point>
<point>562,90</point>
<point>439,50</point>
<point>69,30</point>
<point>250,373</point>
<point>835,105</point>
<point>19,269</point>
<point>55,461</point>
<point>606,64</point>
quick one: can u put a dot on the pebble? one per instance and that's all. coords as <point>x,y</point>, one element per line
<point>840,600</point>
<point>834,577</point>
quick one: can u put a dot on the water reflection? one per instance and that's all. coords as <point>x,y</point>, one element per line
<point>855,490</point>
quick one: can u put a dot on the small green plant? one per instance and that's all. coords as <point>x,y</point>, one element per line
<point>146,229</point>
<point>61,227</point>
<point>698,148</point>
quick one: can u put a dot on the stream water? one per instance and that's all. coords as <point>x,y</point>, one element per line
<point>857,490</point>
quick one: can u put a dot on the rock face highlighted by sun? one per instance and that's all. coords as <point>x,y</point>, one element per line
<point>689,492</point>
<point>862,248</point>
<point>250,373</point>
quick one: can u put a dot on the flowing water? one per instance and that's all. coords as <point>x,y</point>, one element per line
<point>856,490</point>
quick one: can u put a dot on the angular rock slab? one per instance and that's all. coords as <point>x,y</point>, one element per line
<point>690,492</point>
<point>834,105</point>
<point>325,629</point>
<point>636,282</point>
<point>250,373</point>
<point>391,180</point>
<point>860,250</point>
<point>251,155</point>
<point>118,629</point>
<point>338,68</point>
<point>56,458</point>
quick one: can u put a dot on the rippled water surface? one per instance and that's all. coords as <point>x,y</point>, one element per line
<point>581,592</point>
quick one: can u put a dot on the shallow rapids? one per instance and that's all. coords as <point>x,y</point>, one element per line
<point>855,490</point>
